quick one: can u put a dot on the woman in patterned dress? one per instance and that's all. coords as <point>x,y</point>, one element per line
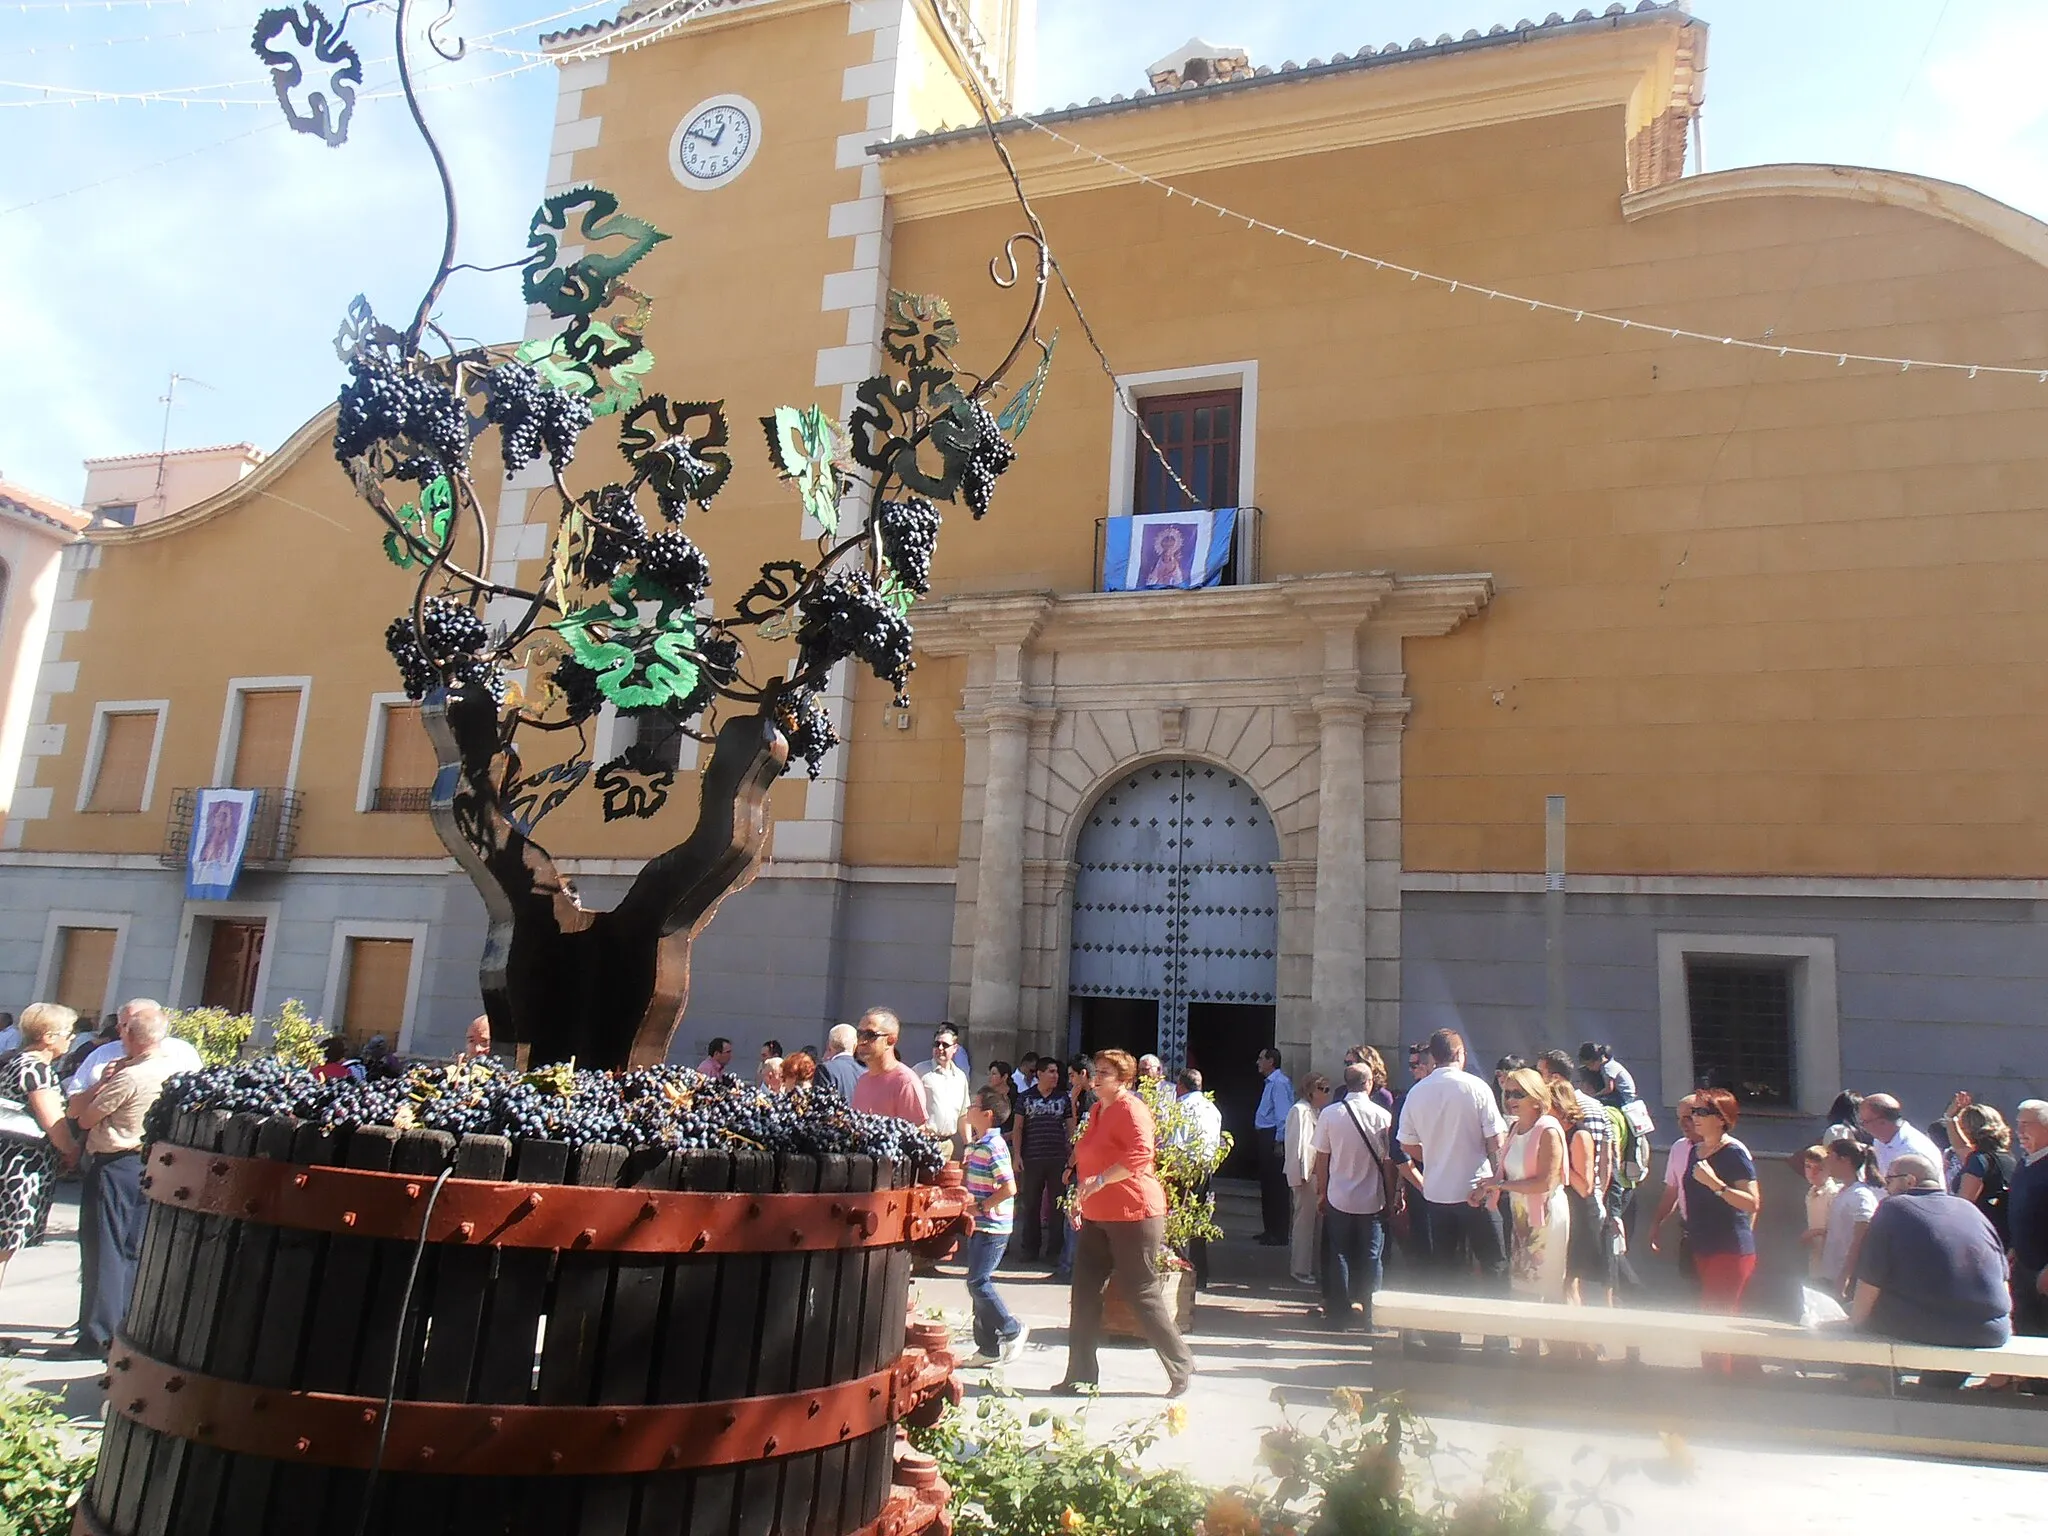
<point>28,1168</point>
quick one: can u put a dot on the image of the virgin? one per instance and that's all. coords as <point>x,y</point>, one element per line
<point>223,826</point>
<point>1167,555</point>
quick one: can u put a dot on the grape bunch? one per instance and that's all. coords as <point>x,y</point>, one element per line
<point>578,687</point>
<point>847,617</point>
<point>910,533</point>
<point>807,724</point>
<point>618,533</point>
<point>671,1107</point>
<point>989,455</point>
<point>416,412</point>
<point>454,636</point>
<point>533,417</point>
<point>679,565</point>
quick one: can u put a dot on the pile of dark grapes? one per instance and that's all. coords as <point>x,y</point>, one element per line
<point>847,617</point>
<point>533,417</point>
<point>666,1106</point>
<point>454,635</point>
<point>990,454</point>
<point>678,564</point>
<point>383,403</point>
<point>910,532</point>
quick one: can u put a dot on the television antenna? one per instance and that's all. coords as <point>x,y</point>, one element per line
<point>168,399</point>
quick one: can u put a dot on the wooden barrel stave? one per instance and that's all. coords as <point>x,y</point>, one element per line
<point>272,1306</point>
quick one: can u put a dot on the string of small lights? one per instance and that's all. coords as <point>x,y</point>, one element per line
<point>1575,313</point>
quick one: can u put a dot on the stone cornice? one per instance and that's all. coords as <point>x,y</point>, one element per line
<point>1633,68</point>
<point>1282,613</point>
<point>1944,200</point>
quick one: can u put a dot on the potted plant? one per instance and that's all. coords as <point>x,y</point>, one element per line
<point>1185,1162</point>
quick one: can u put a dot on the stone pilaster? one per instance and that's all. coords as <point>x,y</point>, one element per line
<point>1338,973</point>
<point>993,992</point>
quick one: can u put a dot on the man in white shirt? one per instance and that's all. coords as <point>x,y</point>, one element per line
<point>946,1089</point>
<point>1205,1134</point>
<point>180,1054</point>
<point>1892,1134</point>
<point>1352,1139</point>
<point>1452,1126</point>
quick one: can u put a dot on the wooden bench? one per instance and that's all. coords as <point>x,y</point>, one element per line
<point>1863,1413</point>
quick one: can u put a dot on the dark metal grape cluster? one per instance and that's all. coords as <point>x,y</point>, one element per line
<point>532,417</point>
<point>848,616</point>
<point>806,722</point>
<point>678,564</point>
<point>910,535</point>
<point>421,419</point>
<point>454,638</point>
<point>672,1107</point>
<point>618,533</point>
<point>990,454</point>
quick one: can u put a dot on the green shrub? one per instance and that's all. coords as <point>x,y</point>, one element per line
<point>295,1039</point>
<point>1041,1475</point>
<point>219,1036</point>
<point>41,1481</point>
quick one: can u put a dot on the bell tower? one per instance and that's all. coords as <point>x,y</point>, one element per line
<point>741,131</point>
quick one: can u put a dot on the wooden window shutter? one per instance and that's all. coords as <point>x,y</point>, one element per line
<point>409,760</point>
<point>124,763</point>
<point>378,970</point>
<point>263,745</point>
<point>85,958</point>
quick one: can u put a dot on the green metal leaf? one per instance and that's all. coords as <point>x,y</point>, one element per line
<point>427,520</point>
<point>1015,416</point>
<point>582,286</point>
<point>640,663</point>
<point>610,388</point>
<point>896,595</point>
<point>806,446</point>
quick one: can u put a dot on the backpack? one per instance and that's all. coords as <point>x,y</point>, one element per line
<point>1632,1158</point>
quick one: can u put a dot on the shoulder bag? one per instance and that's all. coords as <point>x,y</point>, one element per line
<point>1393,1190</point>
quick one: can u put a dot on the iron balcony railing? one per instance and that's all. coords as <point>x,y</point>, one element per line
<point>401,801</point>
<point>273,832</point>
<point>1241,569</point>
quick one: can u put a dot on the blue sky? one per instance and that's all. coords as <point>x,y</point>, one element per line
<point>141,239</point>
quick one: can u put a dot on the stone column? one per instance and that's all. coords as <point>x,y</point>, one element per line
<point>998,966</point>
<point>1338,971</point>
<point>1382,876</point>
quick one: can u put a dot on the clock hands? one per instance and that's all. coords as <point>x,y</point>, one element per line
<point>713,139</point>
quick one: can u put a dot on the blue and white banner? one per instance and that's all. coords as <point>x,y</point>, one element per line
<point>221,819</point>
<point>1155,551</point>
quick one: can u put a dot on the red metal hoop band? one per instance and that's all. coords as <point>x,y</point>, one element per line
<point>512,1440</point>
<point>568,1216</point>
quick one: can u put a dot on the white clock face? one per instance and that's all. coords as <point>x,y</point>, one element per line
<point>715,142</point>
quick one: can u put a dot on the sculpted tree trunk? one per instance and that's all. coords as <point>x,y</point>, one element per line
<point>606,987</point>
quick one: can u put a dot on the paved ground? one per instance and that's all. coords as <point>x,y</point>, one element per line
<point>1261,1357</point>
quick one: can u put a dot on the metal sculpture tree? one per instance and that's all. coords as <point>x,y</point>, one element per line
<point>623,614</point>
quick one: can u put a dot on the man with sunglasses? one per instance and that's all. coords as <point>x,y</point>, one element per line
<point>1932,1270</point>
<point>886,1086</point>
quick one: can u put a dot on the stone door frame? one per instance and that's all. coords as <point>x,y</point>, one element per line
<point>1297,686</point>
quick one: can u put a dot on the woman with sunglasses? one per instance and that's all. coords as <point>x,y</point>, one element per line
<point>1533,1179</point>
<point>1721,1202</point>
<point>1120,1220</point>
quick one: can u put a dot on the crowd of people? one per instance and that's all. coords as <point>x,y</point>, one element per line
<point>1526,1184</point>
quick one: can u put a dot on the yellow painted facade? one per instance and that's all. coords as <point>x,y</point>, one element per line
<point>1753,615</point>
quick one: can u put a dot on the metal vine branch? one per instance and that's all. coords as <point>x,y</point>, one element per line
<point>622,611</point>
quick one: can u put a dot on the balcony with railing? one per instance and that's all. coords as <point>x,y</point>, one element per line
<point>273,829</point>
<point>389,799</point>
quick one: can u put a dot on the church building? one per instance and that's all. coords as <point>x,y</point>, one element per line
<point>1417,616</point>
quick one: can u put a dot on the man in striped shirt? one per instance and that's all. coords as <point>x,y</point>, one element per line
<point>993,1187</point>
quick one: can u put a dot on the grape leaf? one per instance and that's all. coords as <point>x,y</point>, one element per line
<point>581,287</point>
<point>1015,416</point>
<point>427,520</point>
<point>895,594</point>
<point>806,447</point>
